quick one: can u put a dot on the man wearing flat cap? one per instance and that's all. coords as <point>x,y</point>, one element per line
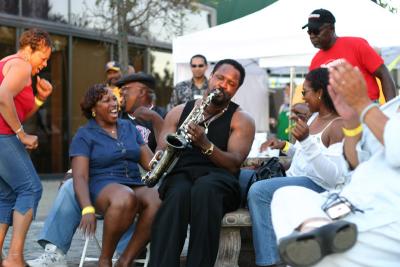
<point>136,90</point>
<point>355,50</point>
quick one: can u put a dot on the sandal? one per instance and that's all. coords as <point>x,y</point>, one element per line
<point>301,249</point>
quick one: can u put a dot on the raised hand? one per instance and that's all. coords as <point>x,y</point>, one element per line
<point>348,82</point>
<point>344,110</point>
<point>44,88</point>
<point>300,130</point>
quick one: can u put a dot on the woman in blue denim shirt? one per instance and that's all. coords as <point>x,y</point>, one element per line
<point>104,156</point>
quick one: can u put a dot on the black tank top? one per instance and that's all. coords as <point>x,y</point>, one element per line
<point>218,134</point>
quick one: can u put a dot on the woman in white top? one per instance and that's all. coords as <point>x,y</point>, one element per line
<point>373,151</point>
<point>317,163</point>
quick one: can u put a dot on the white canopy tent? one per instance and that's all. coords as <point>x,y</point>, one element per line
<point>273,35</point>
<point>275,32</point>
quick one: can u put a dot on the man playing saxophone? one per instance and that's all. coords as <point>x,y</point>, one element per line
<point>203,185</point>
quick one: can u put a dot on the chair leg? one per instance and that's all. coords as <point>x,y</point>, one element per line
<point>84,252</point>
<point>146,262</point>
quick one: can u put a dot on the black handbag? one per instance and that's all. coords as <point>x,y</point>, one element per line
<point>268,169</point>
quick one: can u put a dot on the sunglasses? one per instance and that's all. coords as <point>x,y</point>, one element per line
<point>197,66</point>
<point>304,92</point>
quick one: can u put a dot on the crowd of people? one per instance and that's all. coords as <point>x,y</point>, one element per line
<point>337,205</point>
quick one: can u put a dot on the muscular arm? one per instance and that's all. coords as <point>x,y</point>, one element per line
<point>388,86</point>
<point>169,126</point>
<point>239,143</point>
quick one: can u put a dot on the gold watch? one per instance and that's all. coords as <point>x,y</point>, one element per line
<point>208,151</point>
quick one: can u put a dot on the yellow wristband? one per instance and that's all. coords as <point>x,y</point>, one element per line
<point>285,149</point>
<point>88,210</point>
<point>38,102</point>
<point>352,132</point>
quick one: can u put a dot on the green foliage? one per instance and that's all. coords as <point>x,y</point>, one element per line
<point>386,4</point>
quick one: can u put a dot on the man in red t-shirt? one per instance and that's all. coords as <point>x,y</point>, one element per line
<point>355,50</point>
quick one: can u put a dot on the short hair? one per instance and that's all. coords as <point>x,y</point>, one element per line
<point>234,64</point>
<point>200,56</point>
<point>319,80</point>
<point>35,38</point>
<point>91,97</point>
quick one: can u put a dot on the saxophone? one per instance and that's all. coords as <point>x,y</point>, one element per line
<point>163,161</point>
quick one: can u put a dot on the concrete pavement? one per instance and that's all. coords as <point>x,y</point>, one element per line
<point>33,249</point>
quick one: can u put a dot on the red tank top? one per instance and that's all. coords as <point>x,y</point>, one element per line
<point>23,101</point>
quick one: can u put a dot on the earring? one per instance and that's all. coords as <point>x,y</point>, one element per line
<point>93,113</point>
<point>319,97</point>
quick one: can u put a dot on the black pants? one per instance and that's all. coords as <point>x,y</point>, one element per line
<point>201,202</point>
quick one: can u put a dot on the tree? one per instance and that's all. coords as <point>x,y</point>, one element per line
<point>132,17</point>
<point>386,4</point>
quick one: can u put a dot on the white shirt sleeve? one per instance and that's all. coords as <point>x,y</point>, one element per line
<point>328,165</point>
<point>392,141</point>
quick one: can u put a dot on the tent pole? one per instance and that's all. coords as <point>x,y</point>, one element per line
<point>291,93</point>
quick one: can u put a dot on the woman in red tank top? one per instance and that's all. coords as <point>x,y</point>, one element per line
<point>20,187</point>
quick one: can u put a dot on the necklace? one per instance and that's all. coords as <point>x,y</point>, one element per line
<point>325,117</point>
<point>207,122</point>
<point>111,131</point>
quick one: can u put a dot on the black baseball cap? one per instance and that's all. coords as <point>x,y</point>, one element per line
<point>141,77</point>
<point>318,17</point>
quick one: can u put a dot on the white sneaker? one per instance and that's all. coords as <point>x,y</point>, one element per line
<point>52,257</point>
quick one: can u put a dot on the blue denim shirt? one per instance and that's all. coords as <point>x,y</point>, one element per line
<point>109,158</point>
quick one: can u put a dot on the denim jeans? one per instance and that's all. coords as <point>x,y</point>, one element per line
<point>64,218</point>
<point>259,201</point>
<point>244,177</point>
<point>20,186</point>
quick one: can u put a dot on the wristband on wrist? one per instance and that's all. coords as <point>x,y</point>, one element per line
<point>352,132</point>
<point>365,111</point>
<point>20,129</point>
<point>38,102</point>
<point>88,210</point>
<point>285,149</point>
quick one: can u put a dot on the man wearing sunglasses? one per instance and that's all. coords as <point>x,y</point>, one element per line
<point>193,88</point>
<point>356,51</point>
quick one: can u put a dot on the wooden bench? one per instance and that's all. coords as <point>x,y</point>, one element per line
<point>230,243</point>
